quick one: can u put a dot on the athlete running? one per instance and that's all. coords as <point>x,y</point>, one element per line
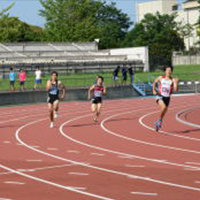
<point>166,85</point>
<point>98,90</point>
<point>53,87</point>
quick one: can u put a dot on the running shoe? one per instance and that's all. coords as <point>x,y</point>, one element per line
<point>158,125</point>
<point>56,115</point>
<point>52,125</point>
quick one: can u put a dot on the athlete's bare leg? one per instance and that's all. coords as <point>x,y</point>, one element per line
<point>51,112</point>
<point>163,108</point>
<point>94,110</point>
<point>99,105</point>
<point>56,107</point>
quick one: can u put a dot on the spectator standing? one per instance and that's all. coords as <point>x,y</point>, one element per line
<point>115,74</point>
<point>131,73</point>
<point>12,78</point>
<point>38,78</point>
<point>22,78</point>
<point>124,75</point>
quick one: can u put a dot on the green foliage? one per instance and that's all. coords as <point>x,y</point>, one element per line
<point>14,30</point>
<point>198,22</point>
<point>160,34</point>
<point>84,20</point>
<point>3,13</point>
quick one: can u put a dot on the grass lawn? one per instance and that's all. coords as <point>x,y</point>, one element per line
<point>183,72</point>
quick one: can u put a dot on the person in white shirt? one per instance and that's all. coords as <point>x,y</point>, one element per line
<point>167,84</point>
<point>38,78</point>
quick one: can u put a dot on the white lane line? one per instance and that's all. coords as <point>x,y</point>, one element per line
<point>97,154</point>
<point>6,142</point>
<point>91,166</point>
<point>193,163</point>
<point>184,121</point>
<point>198,182</point>
<point>51,167</point>
<point>23,170</point>
<point>55,184</point>
<point>21,118</point>
<point>29,160</point>
<point>135,166</point>
<point>78,188</point>
<point>160,160</point>
<point>126,156</point>
<point>189,169</point>
<point>14,183</point>
<point>24,117</point>
<point>141,141</point>
<point>73,151</point>
<point>117,152</point>
<point>164,132</point>
<point>78,174</point>
<point>36,147</point>
<point>39,168</point>
<point>4,198</point>
<point>52,149</point>
<point>144,193</point>
<point>4,173</point>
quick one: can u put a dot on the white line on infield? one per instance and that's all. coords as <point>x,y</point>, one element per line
<point>144,193</point>
<point>14,183</point>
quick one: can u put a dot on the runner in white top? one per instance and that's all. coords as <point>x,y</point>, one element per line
<point>166,85</point>
<point>38,78</point>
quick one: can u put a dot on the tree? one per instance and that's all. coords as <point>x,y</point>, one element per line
<point>198,22</point>
<point>14,30</point>
<point>3,13</point>
<point>160,34</point>
<point>84,20</point>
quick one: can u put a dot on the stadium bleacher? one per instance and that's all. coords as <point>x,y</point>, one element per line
<point>62,55</point>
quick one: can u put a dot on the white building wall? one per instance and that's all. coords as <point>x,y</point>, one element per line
<point>168,5</point>
<point>149,7</point>
<point>189,14</point>
<point>161,6</point>
<point>134,53</point>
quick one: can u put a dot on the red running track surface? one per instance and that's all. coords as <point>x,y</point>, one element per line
<point>119,158</point>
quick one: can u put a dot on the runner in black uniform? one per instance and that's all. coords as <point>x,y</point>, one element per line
<point>98,90</point>
<point>53,87</point>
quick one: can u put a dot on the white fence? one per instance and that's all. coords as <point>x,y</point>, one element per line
<point>186,60</point>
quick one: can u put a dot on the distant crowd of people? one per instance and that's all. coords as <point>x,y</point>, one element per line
<point>21,76</point>
<point>124,72</point>
<point>22,79</point>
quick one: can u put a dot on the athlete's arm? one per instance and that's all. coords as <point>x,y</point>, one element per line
<point>154,85</point>
<point>63,90</point>
<point>104,90</point>
<point>89,92</point>
<point>48,86</point>
<point>175,82</point>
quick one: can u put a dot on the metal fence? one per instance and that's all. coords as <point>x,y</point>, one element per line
<point>68,81</point>
<point>73,67</point>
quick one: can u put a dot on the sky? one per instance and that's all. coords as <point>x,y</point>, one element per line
<point>28,10</point>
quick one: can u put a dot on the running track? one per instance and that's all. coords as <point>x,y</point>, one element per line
<point>119,158</point>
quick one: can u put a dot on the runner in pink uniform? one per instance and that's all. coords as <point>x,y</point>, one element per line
<point>166,85</point>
